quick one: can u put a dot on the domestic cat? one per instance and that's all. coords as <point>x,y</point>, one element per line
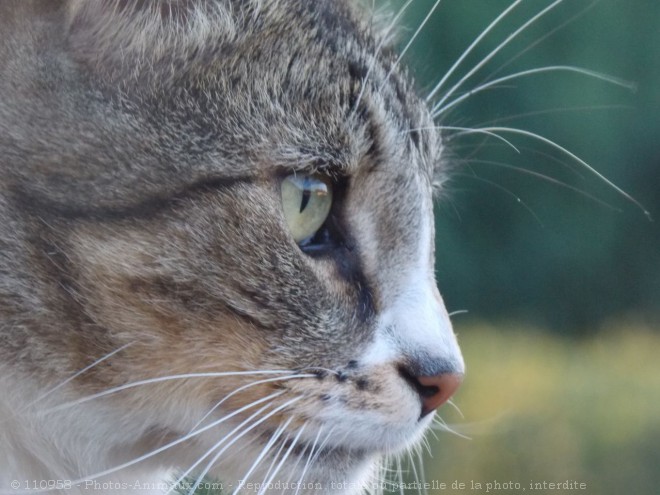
<point>216,247</point>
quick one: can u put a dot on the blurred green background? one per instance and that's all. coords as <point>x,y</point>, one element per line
<point>556,258</point>
<point>563,381</point>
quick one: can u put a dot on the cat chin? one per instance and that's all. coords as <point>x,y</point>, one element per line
<point>316,463</point>
<point>362,441</point>
<point>374,431</point>
<point>335,471</point>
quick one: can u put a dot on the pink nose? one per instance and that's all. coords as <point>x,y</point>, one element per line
<point>436,390</point>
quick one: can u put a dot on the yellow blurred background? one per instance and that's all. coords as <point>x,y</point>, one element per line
<point>542,408</point>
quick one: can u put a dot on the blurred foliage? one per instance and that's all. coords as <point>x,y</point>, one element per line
<point>541,408</point>
<point>534,235</point>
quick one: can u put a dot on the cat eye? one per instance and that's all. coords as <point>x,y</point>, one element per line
<point>306,203</point>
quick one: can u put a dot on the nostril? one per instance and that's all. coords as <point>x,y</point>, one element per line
<point>445,385</point>
<point>424,391</point>
<point>427,391</point>
<point>433,391</point>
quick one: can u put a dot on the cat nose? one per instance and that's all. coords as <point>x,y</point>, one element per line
<point>437,390</point>
<point>433,390</point>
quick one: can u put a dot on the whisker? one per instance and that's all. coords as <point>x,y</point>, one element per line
<point>420,460</point>
<point>547,179</point>
<point>415,474</point>
<point>456,408</point>
<point>549,111</point>
<point>78,373</point>
<point>381,475</point>
<point>534,151</point>
<point>562,162</point>
<point>317,450</point>
<point>448,115</point>
<point>320,368</point>
<point>448,200</point>
<point>458,312</point>
<point>149,381</point>
<point>310,458</point>
<point>465,131</point>
<point>541,40</point>
<point>244,387</point>
<point>470,48</point>
<point>409,44</point>
<point>323,444</point>
<point>427,446</point>
<point>381,43</point>
<point>439,110</point>
<point>307,454</point>
<point>476,149</point>
<point>299,457</point>
<point>238,437</point>
<point>439,424</point>
<point>400,475</point>
<point>177,441</point>
<point>579,160</point>
<point>283,460</point>
<point>183,476</point>
<point>273,439</point>
<point>435,436</point>
<point>275,459</point>
<point>494,52</point>
<point>506,191</point>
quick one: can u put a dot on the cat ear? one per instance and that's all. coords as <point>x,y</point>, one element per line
<point>110,33</point>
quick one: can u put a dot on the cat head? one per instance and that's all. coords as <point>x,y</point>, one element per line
<point>226,208</point>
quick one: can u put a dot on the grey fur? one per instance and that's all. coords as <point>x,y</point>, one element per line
<point>141,146</point>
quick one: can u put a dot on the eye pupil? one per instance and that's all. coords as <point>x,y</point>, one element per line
<point>306,203</point>
<point>306,195</point>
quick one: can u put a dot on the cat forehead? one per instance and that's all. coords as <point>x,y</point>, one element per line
<point>111,31</point>
<point>302,82</point>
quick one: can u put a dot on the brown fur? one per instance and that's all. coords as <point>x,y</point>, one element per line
<point>142,147</point>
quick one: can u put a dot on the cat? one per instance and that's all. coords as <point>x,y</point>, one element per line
<point>216,247</point>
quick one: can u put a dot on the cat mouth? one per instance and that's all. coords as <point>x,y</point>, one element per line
<point>328,444</point>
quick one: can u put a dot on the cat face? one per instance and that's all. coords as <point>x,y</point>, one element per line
<point>167,224</point>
